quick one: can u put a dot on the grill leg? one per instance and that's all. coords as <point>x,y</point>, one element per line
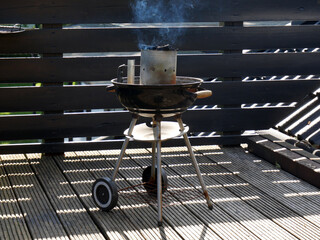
<point>124,147</point>
<point>154,152</point>
<point>153,166</point>
<point>157,137</point>
<point>195,164</point>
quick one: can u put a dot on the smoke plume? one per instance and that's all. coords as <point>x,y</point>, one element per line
<point>164,12</point>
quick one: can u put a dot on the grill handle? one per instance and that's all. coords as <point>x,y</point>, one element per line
<point>111,88</point>
<point>203,93</point>
<point>120,72</point>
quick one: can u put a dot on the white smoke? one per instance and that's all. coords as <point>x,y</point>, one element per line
<point>164,12</point>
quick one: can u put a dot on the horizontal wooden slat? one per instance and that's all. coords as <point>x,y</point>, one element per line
<point>236,65</point>
<point>234,119</point>
<point>96,97</point>
<point>57,98</point>
<point>269,91</point>
<point>98,11</point>
<point>57,69</point>
<point>114,123</point>
<point>205,65</point>
<point>116,144</point>
<point>125,39</point>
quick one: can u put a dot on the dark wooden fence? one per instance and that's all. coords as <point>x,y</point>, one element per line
<point>210,52</point>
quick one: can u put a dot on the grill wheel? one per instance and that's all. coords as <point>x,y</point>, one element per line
<point>151,185</point>
<point>105,193</point>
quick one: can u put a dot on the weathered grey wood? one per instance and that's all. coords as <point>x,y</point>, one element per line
<point>41,218</point>
<point>144,217</point>
<point>64,200</point>
<point>36,11</point>
<point>192,38</point>
<point>205,65</point>
<point>292,162</point>
<point>96,97</point>
<point>12,224</point>
<point>289,181</point>
<point>252,199</point>
<point>262,178</point>
<point>114,123</point>
<point>291,144</point>
<point>229,200</point>
<point>116,224</point>
<point>132,173</point>
<point>259,200</point>
<point>176,168</point>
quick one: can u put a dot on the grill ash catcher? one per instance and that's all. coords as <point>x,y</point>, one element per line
<point>157,94</point>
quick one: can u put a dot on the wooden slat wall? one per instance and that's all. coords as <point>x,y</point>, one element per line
<point>124,39</point>
<point>205,65</point>
<point>96,97</point>
<point>114,123</point>
<point>99,11</point>
<point>210,50</point>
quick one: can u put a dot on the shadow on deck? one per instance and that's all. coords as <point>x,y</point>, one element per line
<point>46,197</point>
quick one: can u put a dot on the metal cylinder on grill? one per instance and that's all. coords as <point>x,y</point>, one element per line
<point>158,66</point>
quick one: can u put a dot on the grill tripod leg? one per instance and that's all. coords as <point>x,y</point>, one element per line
<point>195,164</point>
<point>124,147</point>
<point>154,159</point>
<point>157,137</point>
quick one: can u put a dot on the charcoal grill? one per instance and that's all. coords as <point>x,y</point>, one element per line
<point>155,101</point>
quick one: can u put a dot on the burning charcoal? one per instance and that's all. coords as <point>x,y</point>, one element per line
<point>166,47</point>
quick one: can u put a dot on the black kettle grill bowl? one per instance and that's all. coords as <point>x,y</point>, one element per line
<point>164,99</point>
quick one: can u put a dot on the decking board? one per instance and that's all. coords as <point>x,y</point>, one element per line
<point>262,178</point>
<point>268,206</point>
<point>230,203</point>
<point>39,214</point>
<point>72,214</point>
<point>217,220</point>
<point>298,187</point>
<point>81,180</point>
<point>252,198</point>
<point>176,212</point>
<point>12,220</point>
<point>143,216</point>
<point>171,214</point>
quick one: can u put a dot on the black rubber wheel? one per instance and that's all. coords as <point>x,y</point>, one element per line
<point>151,185</point>
<point>105,194</point>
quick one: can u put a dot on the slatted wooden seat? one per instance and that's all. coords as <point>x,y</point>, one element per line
<point>59,110</point>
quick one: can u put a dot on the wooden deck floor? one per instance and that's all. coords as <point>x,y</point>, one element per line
<point>45,197</point>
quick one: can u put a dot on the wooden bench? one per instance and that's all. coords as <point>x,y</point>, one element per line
<point>215,52</point>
